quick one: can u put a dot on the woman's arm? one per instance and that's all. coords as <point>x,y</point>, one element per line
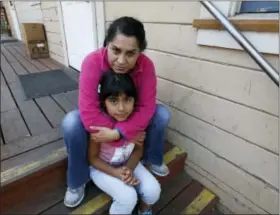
<point>98,163</point>
<point>146,103</point>
<point>90,111</point>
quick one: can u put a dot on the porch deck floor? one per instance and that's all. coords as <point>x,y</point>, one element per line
<point>29,128</point>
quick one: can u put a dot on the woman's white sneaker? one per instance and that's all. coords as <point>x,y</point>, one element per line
<point>74,197</point>
<point>160,170</point>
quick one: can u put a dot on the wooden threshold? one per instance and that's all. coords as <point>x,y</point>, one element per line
<point>240,24</point>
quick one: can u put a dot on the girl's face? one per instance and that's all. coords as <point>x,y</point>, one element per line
<point>119,107</point>
<point>123,53</point>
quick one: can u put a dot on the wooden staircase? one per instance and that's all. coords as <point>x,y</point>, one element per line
<point>38,187</point>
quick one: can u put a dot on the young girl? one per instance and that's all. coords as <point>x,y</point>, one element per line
<point>116,169</point>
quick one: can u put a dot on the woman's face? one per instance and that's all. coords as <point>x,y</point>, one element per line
<point>123,53</point>
<point>119,107</point>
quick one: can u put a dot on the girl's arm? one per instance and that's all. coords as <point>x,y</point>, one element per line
<point>98,163</point>
<point>135,156</point>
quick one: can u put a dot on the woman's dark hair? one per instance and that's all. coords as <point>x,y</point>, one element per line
<point>113,84</point>
<point>129,27</point>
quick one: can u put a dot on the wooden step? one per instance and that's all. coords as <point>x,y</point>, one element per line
<point>97,202</point>
<point>27,185</point>
<point>27,181</point>
<point>194,199</point>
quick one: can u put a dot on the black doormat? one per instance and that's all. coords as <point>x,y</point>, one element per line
<point>40,84</point>
<point>9,40</point>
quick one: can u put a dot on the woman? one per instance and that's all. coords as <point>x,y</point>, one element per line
<point>122,52</point>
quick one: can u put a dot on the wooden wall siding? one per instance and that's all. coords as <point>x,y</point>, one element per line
<point>170,12</point>
<point>251,125</point>
<point>261,194</point>
<point>28,13</point>
<point>52,26</point>
<point>235,84</point>
<point>179,16</point>
<point>224,107</point>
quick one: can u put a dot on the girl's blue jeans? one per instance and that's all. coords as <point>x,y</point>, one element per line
<point>76,141</point>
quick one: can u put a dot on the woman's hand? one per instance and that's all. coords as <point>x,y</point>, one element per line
<point>103,134</point>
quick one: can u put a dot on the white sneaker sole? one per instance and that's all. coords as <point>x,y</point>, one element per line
<point>73,206</point>
<point>159,174</point>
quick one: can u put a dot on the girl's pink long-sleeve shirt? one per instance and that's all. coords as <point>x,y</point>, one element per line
<point>145,81</point>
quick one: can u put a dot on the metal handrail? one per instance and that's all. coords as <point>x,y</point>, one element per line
<point>243,41</point>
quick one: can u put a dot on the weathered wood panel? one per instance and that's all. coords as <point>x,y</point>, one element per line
<point>41,203</point>
<point>73,96</point>
<point>50,14</point>
<point>10,58</point>
<point>7,102</point>
<point>228,197</point>
<point>17,67</point>
<point>171,189</point>
<point>26,12</point>
<point>56,57</point>
<point>7,70</point>
<point>25,144</point>
<point>13,126</point>
<point>49,63</point>
<point>34,155</point>
<point>64,101</point>
<point>185,44</point>
<point>52,26</point>
<point>50,174</point>
<point>244,86</point>
<point>250,187</point>
<point>57,49</point>
<point>48,4</point>
<point>170,12</point>
<point>251,158</point>
<point>51,110</point>
<point>34,118</point>
<point>44,61</point>
<point>37,64</point>
<point>31,113</point>
<point>53,31</point>
<point>22,60</point>
<point>254,126</point>
<point>54,38</point>
<point>187,201</point>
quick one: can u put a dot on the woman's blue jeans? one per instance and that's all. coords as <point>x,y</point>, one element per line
<point>76,141</point>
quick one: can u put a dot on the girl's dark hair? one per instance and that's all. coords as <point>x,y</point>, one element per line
<point>129,27</point>
<point>113,84</point>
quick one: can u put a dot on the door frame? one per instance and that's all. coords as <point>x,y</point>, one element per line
<point>98,22</point>
<point>15,21</point>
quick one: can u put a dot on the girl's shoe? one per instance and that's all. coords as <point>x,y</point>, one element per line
<point>148,212</point>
